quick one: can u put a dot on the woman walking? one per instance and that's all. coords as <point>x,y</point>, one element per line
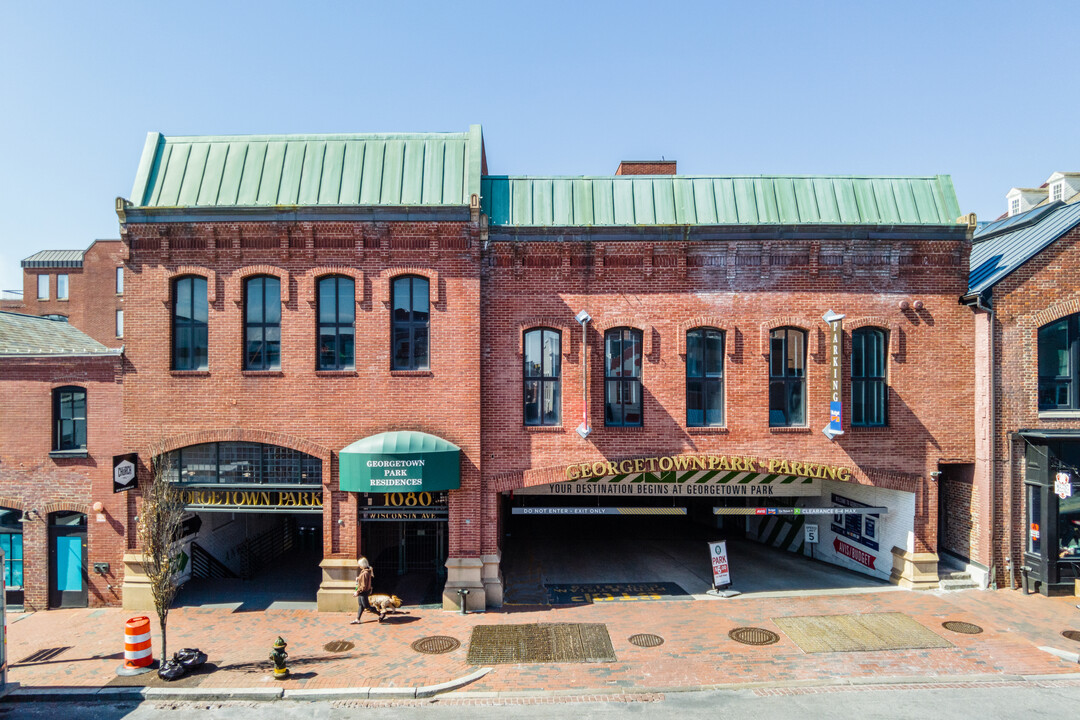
<point>364,580</point>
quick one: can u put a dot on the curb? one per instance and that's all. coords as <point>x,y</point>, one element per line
<point>139,694</point>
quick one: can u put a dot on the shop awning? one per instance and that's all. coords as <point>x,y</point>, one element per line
<point>400,461</point>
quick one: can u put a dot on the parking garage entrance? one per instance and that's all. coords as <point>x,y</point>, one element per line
<point>649,530</point>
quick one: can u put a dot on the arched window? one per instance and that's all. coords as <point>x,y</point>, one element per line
<point>622,377</point>
<point>262,323</point>
<point>190,342</point>
<point>1059,353</point>
<point>704,377</point>
<point>787,377</point>
<point>69,418</point>
<point>869,392</point>
<point>337,312</point>
<point>244,463</point>
<point>409,323</point>
<point>542,377</point>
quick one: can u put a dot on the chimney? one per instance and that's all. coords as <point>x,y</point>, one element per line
<point>646,167</point>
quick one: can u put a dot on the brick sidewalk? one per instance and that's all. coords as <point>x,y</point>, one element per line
<point>696,651</point>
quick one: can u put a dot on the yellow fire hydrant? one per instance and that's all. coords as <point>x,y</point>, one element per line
<point>277,656</point>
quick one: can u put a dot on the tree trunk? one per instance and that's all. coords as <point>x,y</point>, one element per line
<point>164,651</point>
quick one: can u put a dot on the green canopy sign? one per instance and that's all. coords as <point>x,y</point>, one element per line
<point>401,461</point>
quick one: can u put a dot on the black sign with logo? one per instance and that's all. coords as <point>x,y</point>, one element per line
<point>124,477</point>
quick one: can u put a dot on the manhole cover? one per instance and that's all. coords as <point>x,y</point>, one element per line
<point>1071,634</point>
<point>436,645</point>
<point>646,640</point>
<point>43,655</point>
<point>338,646</point>
<point>753,636</point>
<point>962,627</point>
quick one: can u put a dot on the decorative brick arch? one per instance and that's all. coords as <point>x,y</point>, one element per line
<point>185,270</point>
<point>546,322</point>
<point>380,289</point>
<point>68,381</point>
<point>602,325</point>
<point>64,505</point>
<point>800,323</point>
<point>877,321</point>
<point>247,271</point>
<point>199,437</point>
<point>308,284</point>
<point>12,503</point>
<point>710,321</point>
<point>1056,312</point>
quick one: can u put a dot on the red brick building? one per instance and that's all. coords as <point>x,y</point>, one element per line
<point>1024,497</point>
<point>85,287</point>
<point>61,399</point>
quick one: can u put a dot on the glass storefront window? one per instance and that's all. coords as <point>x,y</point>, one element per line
<point>1068,525</point>
<point>1034,515</point>
<point>234,463</point>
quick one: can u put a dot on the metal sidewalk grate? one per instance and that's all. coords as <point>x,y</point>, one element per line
<point>646,640</point>
<point>540,643</point>
<point>436,644</point>
<point>753,636</point>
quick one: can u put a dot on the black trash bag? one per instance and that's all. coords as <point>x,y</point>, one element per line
<point>171,670</point>
<point>190,658</point>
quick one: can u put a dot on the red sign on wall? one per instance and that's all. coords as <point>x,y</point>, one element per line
<point>849,551</point>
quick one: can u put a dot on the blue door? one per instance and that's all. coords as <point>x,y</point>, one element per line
<point>67,560</point>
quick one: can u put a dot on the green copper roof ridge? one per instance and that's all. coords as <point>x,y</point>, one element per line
<point>312,136</point>
<point>721,177</point>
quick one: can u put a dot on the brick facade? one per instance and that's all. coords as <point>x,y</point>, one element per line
<point>92,298</point>
<point>34,481</point>
<point>666,287</point>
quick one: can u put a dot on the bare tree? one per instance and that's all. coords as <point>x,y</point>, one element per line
<point>160,520</point>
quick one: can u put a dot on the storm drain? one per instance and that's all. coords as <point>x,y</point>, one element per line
<point>338,646</point>
<point>436,644</point>
<point>43,655</point>
<point>1071,634</point>
<point>958,626</point>
<point>540,643</point>
<point>753,636</point>
<point>646,640</point>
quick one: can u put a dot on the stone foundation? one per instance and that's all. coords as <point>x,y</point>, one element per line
<point>337,586</point>
<point>464,574</point>
<point>914,571</point>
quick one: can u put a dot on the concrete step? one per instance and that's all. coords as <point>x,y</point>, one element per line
<point>953,584</point>
<point>956,575</point>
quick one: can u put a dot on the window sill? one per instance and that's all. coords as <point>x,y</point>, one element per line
<point>62,454</point>
<point>870,428</point>
<point>262,373</point>
<point>544,428</point>
<point>190,373</point>
<point>411,373</point>
<point>1059,414</point>
<point>620,428</point>
<point>336,373</point>
<point>795,430</point>
<point>707,429</point>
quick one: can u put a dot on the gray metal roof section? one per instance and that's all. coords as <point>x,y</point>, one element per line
<point>55,259</point>
<point>273,171</point>
<point>32,336</point>
<point>1003,246</point>
<point>657,200</point>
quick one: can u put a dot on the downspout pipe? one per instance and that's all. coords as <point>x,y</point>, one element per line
<point>583,429</point>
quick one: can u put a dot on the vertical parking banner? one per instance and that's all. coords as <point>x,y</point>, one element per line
<point>718,555</point>
<point>836,357</point>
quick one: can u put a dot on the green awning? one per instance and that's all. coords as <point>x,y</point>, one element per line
<point>400,461</point>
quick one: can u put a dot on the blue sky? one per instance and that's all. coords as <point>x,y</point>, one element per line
<point>984,91</point>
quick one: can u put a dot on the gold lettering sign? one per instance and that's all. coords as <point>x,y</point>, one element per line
<point>251,498</point>
<point>593,471</point>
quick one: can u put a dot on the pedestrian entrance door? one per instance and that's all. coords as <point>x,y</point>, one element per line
<point>67,560</point>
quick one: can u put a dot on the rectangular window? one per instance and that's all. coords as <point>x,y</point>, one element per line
<point>409,324</point>
<point>1057,363</point>
<point>119,281</point>
<point>704,377</point>
<point>190,315</point>
<point>69,414</point>
<point>11,543</point>
<point>262,323</point>
<point>622,378</point>
<point>543,385</point>
<point>1056,191</point>
<point>787,378</point>
<point>62,287</point>
<point>42,287</point>
<point>868,389</point>
<point>1034,518</point>
<point>1014,206</point>
<point>119,323</point>
<point>337,310</point>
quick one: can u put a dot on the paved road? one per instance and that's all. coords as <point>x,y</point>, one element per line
<point>1044,699</point>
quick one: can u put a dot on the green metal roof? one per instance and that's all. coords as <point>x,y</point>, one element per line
<point>622,201</point>
<point>55,259</point>
<point>386,170</point>
<point>400,442</point>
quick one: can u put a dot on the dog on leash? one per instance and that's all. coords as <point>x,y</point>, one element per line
<point>384,604</point>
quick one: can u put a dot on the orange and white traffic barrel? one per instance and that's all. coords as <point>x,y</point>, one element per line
<point>138,655</point>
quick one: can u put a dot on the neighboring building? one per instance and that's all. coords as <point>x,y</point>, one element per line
<point>299,305</point>
<point>710,368</point>
<point>61,400</point>
<point>1024,289</point>
<point>83,287</point>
